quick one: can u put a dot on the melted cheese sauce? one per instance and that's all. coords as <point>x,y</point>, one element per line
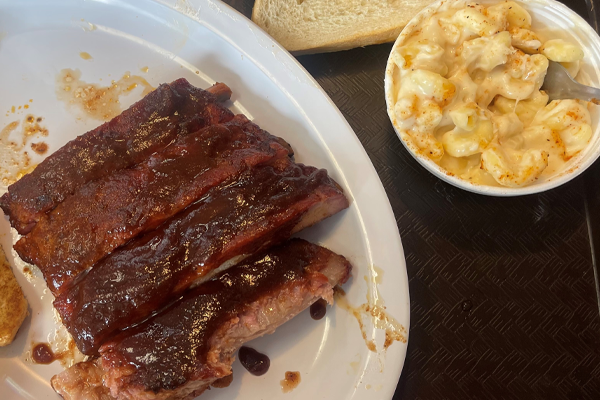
<point>467,95</point>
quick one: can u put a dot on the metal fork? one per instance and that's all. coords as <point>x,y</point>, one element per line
<point>558,84</point>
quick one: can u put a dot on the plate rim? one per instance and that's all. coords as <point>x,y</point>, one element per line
<point>291,69</point>
<point>390,388</point>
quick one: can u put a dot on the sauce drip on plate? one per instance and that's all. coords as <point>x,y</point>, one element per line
<point>256,363</point>
<point>42,354</point>
<point>318,309</point>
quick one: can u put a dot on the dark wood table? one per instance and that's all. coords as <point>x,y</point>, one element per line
<point>504,291</point>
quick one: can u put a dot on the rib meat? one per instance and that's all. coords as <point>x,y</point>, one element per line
<point>170,111</point>
<point>82,381</point>
<point>104,214</point>
<point>263,207</point>
<point>179,352</point>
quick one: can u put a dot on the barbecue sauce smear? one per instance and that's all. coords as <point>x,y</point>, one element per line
<point>99,102</point>
<point>256,363</point>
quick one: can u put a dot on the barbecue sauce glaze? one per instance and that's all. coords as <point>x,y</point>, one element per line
<point>170,111</point>
<point>112,210</point>
<point>148,348</point>
<point>146,273</point>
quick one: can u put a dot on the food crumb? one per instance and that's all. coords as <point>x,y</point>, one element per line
<point>28,273</point>
<point>85,55</point>
<point>291,381</point>
<point>223,382</point>
<point>40,148</point>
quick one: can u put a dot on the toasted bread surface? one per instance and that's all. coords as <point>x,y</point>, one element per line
<point>13,306</point>
<point>313,26</point>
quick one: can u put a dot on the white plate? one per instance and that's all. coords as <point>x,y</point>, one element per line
<point>176,39</point>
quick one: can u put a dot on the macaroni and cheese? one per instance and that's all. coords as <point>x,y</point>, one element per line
<point>468,96</point>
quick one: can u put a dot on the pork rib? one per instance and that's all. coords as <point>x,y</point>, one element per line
<point>263,207</point>
<point>170,111</point>
<point>178,353</point>
<point>82,381</point>
<point>104,214</point>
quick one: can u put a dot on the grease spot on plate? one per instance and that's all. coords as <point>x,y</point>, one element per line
<point>99,102</point>
<point>374,311</point>
<point>41,148</point>
<point>32,127</point>
<point>354,365</point>
<point>88,27</point>
<point>14,159</point>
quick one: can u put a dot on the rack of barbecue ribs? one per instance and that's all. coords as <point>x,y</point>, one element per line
<point>264,206</point>
<point>105,214</point>
<point>170,111</point>
<point>180,352</point>
<point>164,236</point>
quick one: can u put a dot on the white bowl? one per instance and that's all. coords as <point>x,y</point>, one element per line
<point>547,15</point>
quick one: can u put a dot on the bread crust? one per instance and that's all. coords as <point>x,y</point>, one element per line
<point>13,306</point>
<point>344,42</point>
<point>383,36</point>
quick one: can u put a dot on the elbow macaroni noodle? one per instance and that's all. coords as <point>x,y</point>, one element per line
<point>468,96</point>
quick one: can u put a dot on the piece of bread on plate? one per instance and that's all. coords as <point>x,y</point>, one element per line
<point>316,26</point>
<point>13,306</point>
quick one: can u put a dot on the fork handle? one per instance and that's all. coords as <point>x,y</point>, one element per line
<point>581,92</point>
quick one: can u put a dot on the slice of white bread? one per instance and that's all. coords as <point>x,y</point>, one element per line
<point>13,306</point>
<point>315,26</point>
